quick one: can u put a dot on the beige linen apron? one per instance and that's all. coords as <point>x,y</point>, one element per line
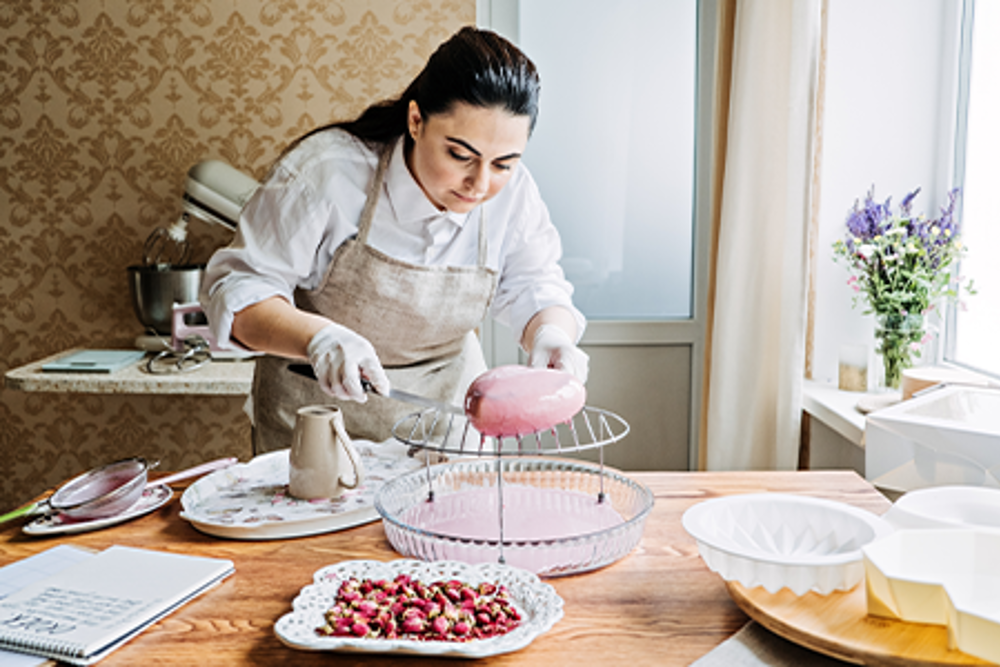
<point>420,319</point>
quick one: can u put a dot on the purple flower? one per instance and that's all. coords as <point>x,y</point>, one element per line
<point>907,203</point>
<point>869,221</point>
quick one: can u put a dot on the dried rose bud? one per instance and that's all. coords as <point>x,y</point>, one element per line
<point>413,625</point>
<point>440,625</point>
<point>413,612</point>
<point>450,612</point>
<point>368,608</point>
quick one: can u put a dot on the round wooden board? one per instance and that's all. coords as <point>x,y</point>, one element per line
<point>838,625</point>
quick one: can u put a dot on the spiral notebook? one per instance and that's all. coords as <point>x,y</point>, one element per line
<point>87,610</point>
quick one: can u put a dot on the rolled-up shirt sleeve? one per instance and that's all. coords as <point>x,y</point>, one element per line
<point>273,251</point>
<point>530,276</point>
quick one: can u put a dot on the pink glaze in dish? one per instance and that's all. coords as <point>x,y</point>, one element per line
<point>518,400</point>
<point>531,515</point>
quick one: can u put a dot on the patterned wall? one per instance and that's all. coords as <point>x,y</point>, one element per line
<point>104,105</point>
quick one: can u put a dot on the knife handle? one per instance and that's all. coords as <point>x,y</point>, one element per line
<point>306,371</point>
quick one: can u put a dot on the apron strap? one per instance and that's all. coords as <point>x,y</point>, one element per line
<point>368,212</point>
<point>374,188</point>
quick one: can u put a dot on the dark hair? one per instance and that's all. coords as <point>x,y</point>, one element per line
<point>477,67</point>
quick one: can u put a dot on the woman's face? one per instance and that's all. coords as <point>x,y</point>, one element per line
<point>465,156</point>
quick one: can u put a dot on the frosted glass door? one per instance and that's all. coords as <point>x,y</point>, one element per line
<point>613,151</point>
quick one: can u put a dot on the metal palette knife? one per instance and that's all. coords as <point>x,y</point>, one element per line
<point>305,370</point>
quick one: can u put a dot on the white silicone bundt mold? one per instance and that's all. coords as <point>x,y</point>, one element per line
<point>778,540</point>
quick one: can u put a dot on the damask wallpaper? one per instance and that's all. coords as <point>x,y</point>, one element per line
<point>104,105</point>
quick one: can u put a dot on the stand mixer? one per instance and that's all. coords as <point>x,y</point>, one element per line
<point>164,288</point>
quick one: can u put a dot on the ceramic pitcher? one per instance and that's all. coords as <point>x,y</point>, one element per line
<point>323,462</point>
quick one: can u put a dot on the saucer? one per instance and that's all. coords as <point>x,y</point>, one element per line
<point>59,524</point>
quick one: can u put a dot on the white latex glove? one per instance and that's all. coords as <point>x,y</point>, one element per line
<point>553,348</point>
<point>340,358</point>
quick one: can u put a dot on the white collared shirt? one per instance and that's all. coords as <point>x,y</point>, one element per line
<point>312,201</point>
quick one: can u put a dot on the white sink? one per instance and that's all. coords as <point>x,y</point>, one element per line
<point>947,436</point>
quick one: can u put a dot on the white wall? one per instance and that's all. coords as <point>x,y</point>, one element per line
<point>891,91</point>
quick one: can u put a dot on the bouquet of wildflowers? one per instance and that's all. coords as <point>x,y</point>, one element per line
<point>901,267</point>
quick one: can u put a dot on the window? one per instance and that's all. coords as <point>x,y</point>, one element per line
<point>613,152</point>
<point>973,332</point>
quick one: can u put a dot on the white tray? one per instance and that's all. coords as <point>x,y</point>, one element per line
<point>250,501</point>
<point>538,603</point>
<point>58,524</point>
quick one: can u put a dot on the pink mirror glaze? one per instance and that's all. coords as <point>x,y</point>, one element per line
<point>518,400</point>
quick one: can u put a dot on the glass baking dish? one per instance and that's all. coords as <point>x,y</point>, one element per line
<point>560,516</point>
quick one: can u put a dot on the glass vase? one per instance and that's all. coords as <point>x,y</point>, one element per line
<point>901,342</point>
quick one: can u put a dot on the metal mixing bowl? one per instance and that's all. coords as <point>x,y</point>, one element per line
<point>155,290</point>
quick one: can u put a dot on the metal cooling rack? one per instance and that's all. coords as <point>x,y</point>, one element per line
<point>452,434</point>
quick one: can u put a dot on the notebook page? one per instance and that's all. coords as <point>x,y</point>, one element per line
<point>21,573</point>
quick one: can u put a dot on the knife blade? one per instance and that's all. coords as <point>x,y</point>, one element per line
<point>306,371</point>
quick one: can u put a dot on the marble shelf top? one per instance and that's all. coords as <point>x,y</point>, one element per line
<point>220,378</point>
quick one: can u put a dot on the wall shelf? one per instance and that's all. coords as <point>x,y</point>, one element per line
<point>216,378</point>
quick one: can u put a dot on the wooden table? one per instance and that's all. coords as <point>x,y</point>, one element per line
<point>659,606</point>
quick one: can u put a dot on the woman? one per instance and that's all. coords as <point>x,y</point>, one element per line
<point>369,249</point>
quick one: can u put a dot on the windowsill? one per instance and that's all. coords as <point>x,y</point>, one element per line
<point>838,409</point>
<point>835,408</point>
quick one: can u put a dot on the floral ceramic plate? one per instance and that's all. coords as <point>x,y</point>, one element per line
<point>537,602</point>
<point>250,501</point>
<point>58,524</point>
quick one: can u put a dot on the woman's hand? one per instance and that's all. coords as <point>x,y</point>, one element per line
<point>552,333</point>
<point>338,355</point>
<point>340,358</point>
<point>553,348</point>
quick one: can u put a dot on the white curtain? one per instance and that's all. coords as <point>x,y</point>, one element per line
<point>758,322</point>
